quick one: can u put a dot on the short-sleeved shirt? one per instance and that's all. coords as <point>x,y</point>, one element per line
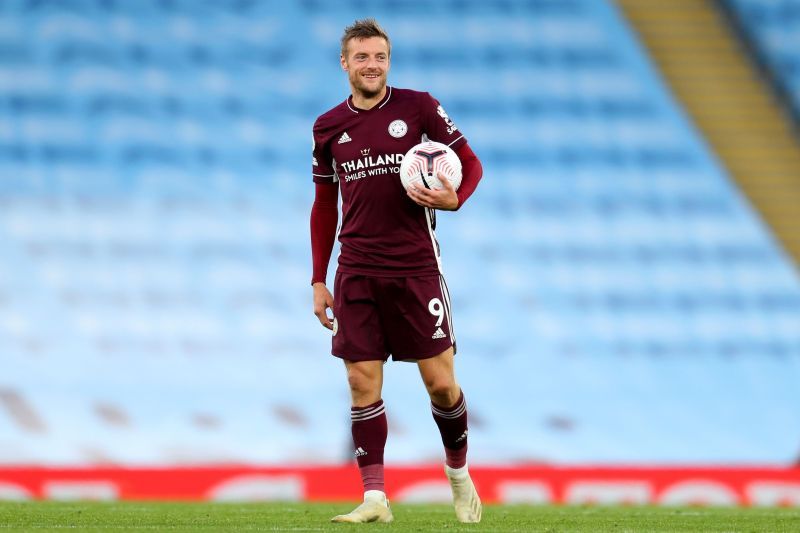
<point>383,232</point>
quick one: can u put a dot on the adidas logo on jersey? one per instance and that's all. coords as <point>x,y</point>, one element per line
<point>360,452</point>
<point>439,334</point>
<point>345,138</point>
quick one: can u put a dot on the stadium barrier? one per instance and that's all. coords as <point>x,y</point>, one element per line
<point>757,486</point>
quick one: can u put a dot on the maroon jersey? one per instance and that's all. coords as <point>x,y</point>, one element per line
<point>383,232</point>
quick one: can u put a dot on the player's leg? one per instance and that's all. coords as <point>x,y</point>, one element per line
<point>430,319</point>
<point>447,405</point>
<point>438,375</point>
<point>369,428</point>
<point>358,340</point>
<point>368,421</point>
<point>449,410</point>
<point>365,380</point>
<point>420,329</point>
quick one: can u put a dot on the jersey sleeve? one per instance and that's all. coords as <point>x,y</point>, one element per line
<point>321,160</point>
<point>438,125</point>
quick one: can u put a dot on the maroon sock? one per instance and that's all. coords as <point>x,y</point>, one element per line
<point>452,422</point>
<point>369,438</point>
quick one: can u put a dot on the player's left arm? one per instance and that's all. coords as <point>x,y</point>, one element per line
<point>448,199</point>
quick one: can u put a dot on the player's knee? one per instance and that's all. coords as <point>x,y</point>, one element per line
<point>356,381</point>
<point>443,391</point>
<point>362,384</point>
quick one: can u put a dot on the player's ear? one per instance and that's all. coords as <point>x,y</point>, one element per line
<point>343,62</point>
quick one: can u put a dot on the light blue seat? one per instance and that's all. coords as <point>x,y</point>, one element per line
<point>614,295</point>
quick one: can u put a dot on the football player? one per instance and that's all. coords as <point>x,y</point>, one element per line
<point>390,298</point>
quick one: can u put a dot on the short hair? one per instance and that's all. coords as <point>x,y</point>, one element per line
<point>363,29</point>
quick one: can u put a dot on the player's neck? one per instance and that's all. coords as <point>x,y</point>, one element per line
<point>363,102</point>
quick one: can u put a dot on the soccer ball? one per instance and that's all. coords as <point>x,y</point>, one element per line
<point>421,165</point>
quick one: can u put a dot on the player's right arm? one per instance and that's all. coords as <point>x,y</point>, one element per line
<point>324,220</point>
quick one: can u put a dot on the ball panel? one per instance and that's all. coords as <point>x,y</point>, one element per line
<point>428,159</point>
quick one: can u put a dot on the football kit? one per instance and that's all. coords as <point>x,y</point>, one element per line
<point>389,293</point>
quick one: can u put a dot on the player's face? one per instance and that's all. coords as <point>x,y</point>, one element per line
<point>367,64</point>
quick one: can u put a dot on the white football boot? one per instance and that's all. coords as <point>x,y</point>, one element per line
<point>374,509</point>
<point>465,497</point>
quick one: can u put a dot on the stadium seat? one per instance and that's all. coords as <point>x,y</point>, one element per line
<point>609,282</point>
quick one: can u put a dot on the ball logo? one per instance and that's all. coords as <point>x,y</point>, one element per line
<point>398,128</point>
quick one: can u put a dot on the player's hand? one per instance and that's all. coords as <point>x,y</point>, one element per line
<point>445,198</point>
<point>323,300</point>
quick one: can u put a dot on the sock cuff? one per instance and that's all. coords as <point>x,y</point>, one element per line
<point>455,411</point>
<point>460,472</point>
<point>375,495</point>
<point>359,414</point>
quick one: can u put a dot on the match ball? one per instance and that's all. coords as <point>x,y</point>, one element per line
<point>421,165</point>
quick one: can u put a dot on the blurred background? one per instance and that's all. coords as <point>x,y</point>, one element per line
<point>624,280</point>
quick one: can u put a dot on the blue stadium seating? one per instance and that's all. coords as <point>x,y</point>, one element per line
<point>616,298</point>
<point>772,29</point>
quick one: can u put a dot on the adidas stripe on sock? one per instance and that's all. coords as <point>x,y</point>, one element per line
<point>452,423</point>
<point>369,428</point>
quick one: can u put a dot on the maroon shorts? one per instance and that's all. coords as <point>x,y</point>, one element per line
<point>375,317</point>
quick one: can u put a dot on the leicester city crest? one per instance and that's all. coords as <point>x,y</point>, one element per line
<point>398,128</point>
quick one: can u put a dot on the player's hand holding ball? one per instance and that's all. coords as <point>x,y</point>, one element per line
<point>445,198</point>
<point>431,174</point>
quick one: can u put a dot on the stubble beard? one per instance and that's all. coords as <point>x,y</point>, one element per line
<point>365,92</point>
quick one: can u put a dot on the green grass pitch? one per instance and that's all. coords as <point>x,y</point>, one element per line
<point>133,516</point>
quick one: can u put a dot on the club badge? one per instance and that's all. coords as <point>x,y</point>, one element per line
<point>398,128</point>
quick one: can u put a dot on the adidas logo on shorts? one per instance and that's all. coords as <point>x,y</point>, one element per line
<point>360,452</point>
<point>439,334</point>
